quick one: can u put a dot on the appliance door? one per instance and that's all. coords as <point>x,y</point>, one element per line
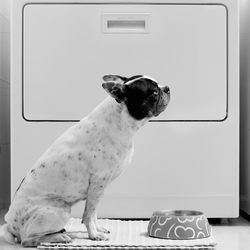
<point>67,48</point>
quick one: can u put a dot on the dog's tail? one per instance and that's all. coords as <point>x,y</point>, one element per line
<point>6,234</point>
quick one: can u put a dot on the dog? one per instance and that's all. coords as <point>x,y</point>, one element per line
<point>82,162</point>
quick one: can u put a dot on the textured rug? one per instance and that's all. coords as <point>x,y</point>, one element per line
<point>124,235</point>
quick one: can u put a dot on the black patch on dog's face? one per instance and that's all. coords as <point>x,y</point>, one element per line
<point>145,98</point>
<point>142,96</point>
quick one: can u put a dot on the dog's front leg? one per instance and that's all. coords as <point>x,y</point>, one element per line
<point>95,192</point>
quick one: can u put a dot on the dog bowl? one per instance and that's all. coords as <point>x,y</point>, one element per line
<point>179,225</point>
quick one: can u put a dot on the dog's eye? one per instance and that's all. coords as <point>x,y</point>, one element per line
<point>155,93</point>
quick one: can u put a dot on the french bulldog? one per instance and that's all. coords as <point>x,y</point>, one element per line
<point>82,162</point>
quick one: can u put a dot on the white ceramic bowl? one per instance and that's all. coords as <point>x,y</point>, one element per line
<point>179,225</point>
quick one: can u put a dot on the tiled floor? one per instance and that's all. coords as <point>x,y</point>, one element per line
<point>233,234</point>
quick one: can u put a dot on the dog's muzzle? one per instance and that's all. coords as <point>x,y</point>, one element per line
<point>164,99</point>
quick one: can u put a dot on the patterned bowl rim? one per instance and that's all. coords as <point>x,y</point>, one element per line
<point>178,213</point>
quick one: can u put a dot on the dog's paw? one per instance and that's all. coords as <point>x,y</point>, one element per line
<point>102,230</point>
<point>52,238</point>
<point>99,236</point>
<point>56,238</point>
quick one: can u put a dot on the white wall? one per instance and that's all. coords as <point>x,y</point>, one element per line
<point>4,103</point>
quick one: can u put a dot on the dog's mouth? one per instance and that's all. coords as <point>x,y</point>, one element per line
<point>163,102</point>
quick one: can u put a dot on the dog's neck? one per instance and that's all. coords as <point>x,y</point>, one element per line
<point>117,117</point>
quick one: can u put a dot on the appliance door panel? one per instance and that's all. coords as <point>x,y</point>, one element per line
<point>67,48</point>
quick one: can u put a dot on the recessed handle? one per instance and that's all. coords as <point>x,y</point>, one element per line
<point>126,23</point>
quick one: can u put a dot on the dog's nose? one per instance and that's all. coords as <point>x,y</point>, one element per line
<point>166,89</point>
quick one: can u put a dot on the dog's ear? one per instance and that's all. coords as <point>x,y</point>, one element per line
<point>116,90</point>
<point>114,78</point>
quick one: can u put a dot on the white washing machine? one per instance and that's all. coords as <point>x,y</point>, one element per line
<point>187,158</point>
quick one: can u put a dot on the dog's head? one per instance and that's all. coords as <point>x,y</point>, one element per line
<point>142,95</point>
